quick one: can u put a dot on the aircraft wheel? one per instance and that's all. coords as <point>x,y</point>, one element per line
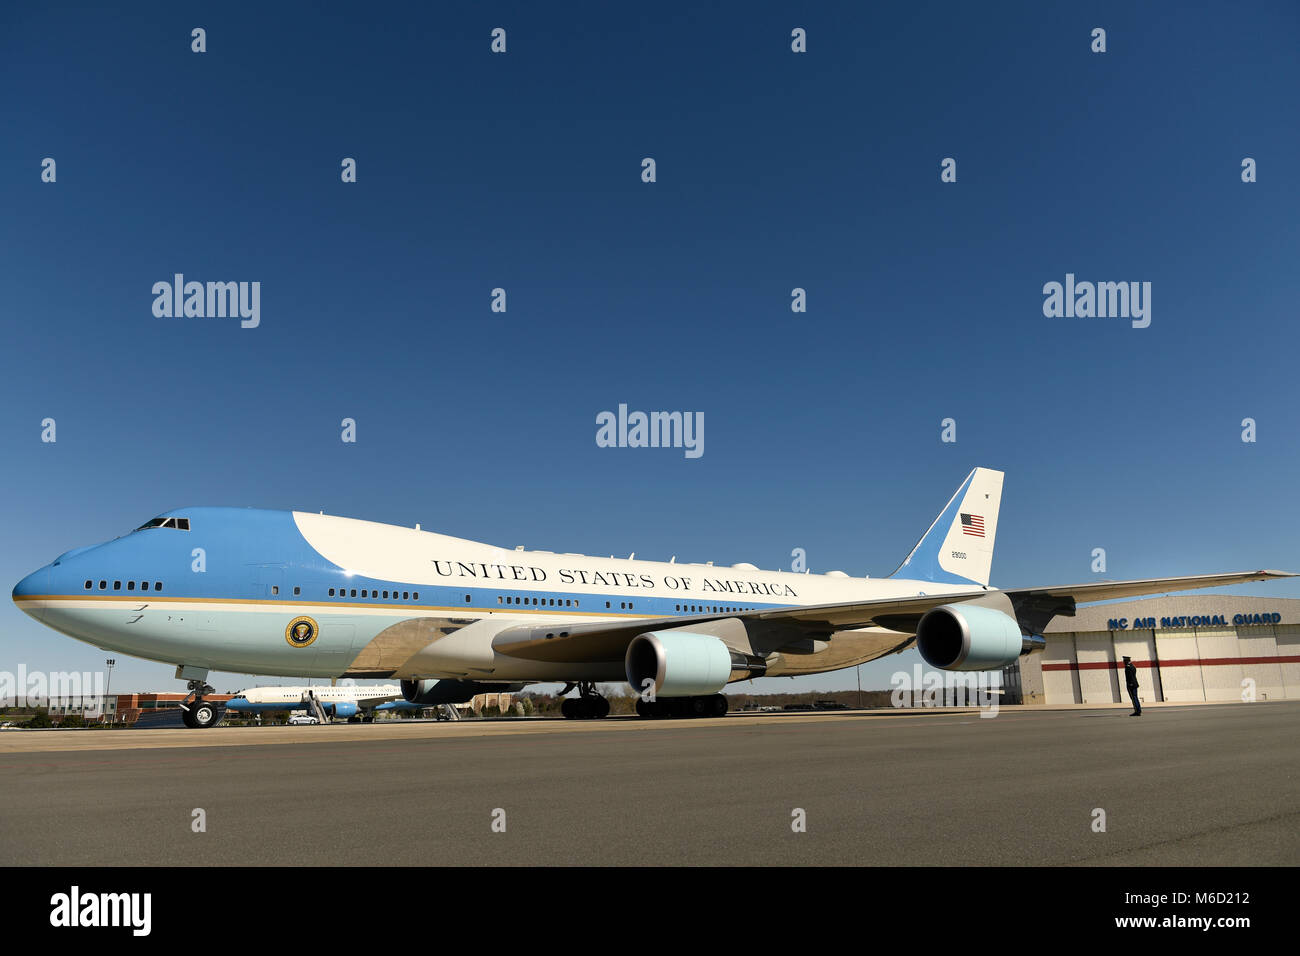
<point>567,708</point>
<point>720,707</point>
<point>602,708</point>
<point>187,717</point>
<point>203,714</point>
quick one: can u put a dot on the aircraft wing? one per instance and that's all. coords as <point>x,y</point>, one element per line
<point>1035,607</point>
<point>608,640</point>
<point>1109,590</point>
<point>376,700</point>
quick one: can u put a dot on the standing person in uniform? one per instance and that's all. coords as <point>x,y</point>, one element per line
<point>1131,681</point>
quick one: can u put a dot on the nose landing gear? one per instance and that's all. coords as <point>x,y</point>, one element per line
<point>195,711</point>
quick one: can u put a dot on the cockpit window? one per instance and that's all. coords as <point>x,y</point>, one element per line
<point>181,524</point>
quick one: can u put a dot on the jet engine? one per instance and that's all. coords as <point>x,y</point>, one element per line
<point>431,693</point>
<point>682,664</point>
<point>963,637</point>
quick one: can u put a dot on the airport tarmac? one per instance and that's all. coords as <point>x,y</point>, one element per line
<point>1199,785</point>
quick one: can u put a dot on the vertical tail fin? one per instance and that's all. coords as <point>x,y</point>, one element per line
<point>958,547</point>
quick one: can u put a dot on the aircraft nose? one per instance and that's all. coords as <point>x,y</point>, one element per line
<point>36,583</point>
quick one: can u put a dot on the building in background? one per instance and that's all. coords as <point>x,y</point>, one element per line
<point>128,708</point>
<point>1205,647</point>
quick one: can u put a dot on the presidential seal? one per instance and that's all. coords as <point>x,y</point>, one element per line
<point>301,631</point>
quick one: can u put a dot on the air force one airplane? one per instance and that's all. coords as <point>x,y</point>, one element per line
<point>355,702</point>
<point>297,594</point>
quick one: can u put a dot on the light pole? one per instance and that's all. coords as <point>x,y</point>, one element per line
<point>859,670</point>
<point>107,685</point>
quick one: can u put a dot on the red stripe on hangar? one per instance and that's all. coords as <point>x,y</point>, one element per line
<point>1186,662</point>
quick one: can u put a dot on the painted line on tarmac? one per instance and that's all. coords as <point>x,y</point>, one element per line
<point>59,741</point>
<point>66,741</point>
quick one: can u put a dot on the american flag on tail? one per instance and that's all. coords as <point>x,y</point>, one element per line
<point>972,525</point>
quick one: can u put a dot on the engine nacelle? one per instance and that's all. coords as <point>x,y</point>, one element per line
<point>416,691</point>
<point>431,693</point>
<point>344,708</point>
<point>682,664</point>
<point>963,637</point>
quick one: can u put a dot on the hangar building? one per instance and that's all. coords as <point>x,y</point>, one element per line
<point>1195,648</point>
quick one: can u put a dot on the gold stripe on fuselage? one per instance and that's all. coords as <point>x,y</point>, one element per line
<point>146,599</point>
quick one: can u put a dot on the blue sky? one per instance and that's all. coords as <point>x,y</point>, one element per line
<point>774,171</point>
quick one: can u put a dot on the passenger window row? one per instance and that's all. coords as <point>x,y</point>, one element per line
<point>415,596</point>
<point>535,602</point>
<point>372,593</point>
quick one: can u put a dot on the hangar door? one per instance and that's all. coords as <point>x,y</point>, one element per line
<point>1095,652</point>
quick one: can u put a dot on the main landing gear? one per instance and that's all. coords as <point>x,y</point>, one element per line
<point>711,705</point>
<point>197,712</point>
<point>587,705</point>
<point>591,705</point>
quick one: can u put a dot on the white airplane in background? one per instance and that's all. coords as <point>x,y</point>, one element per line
<point>291,593</point>
<point>355,702</point>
